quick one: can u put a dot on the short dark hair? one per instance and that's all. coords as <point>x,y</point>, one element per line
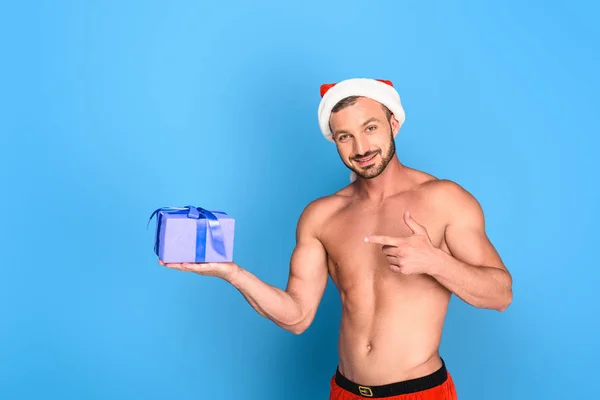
<point>351,100</point>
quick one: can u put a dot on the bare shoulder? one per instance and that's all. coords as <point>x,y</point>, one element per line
<point>319,211</point>
<point>421,180</point>
<point>453,200</point>
<point>443,193</point>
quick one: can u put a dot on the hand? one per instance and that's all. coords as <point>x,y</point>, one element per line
<point>223,270</point>
<point>414,254</point>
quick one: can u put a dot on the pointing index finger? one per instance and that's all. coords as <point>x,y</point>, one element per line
<point>381,239</point>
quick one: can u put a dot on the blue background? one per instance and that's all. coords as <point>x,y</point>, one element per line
<point>112,109</point>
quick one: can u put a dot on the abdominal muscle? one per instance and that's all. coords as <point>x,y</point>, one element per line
<point>391,328</point>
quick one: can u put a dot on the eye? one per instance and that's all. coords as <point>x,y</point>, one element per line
<point>343,137</point>
<point>371,128</point>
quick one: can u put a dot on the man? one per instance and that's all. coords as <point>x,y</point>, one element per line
<point>396,242</point>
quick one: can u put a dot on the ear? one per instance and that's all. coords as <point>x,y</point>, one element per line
<point>395,125</point>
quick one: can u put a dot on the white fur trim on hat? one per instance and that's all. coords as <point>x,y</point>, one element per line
<point>365,87</point>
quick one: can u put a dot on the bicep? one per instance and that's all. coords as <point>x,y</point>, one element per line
<point>308,274</point>
<point>308,265</point>
<point>466,237</point>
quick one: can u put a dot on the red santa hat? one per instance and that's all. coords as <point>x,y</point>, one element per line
<point>380,90</point>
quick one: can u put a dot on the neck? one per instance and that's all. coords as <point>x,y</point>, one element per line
<point>392,180</point>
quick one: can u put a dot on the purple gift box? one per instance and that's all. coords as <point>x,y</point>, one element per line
<point>193,234</point>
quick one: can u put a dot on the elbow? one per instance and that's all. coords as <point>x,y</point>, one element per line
<point>297,330</point>
<point>300,327</point>
<point>505,301</point>
<point>300,323</point>
<point>499,303</point>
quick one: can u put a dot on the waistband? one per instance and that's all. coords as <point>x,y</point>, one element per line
<point>394,389</point>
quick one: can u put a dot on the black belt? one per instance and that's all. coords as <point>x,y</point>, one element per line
<point>394,389</point>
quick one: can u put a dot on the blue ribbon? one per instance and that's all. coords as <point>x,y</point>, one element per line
<point>212,227</point>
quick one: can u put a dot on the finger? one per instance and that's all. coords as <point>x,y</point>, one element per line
<point>195,267</point>
<point>396,268</point>
<point>385,240</point>
<point>392,260</point>
<point>414,226</point>
<point>186,267</point>
<point>395,249</point>
<point>391,253</point>
<point>398,252</point>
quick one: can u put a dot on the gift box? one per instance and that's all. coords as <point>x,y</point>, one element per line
<point>193,234</point>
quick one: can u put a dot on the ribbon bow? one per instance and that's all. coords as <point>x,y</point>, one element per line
<point>213,228</point>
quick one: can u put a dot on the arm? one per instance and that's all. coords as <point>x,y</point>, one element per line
<point>295,307</point>
<point>473,270</point>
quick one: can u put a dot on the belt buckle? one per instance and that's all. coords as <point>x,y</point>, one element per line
<point>365,391</point>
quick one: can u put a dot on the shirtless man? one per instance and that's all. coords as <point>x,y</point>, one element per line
<point>396,242</point>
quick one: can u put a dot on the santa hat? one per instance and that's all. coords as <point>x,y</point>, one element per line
<point>380,90</point>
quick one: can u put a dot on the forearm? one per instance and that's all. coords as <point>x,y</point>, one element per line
<point>480,286</point>
<point>269,301</point>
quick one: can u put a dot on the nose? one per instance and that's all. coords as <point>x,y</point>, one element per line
<point>361,145</point>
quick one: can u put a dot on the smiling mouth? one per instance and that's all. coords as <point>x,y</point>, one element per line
<point>365,160</point>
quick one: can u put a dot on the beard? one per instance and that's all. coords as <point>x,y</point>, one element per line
<point>375,170</point>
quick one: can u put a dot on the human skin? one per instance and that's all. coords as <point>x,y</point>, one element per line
<point>397,243</point>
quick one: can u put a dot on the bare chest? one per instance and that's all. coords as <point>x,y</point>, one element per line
<point>350,258</point>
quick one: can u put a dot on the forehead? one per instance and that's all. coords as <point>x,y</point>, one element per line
<point>362,110</point>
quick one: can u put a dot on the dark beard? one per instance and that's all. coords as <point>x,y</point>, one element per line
<point>375,170</point>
